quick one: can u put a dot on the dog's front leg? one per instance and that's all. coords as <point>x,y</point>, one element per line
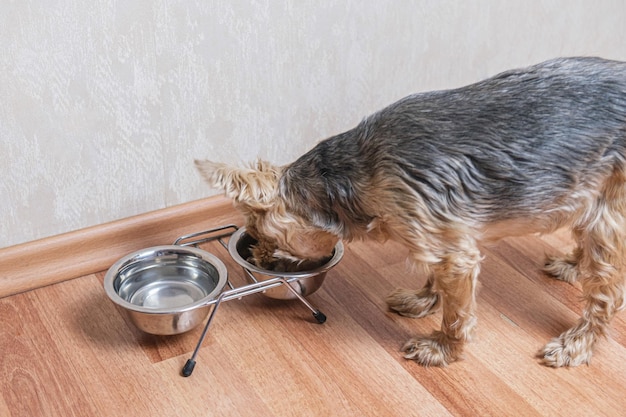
<point>455,280</point>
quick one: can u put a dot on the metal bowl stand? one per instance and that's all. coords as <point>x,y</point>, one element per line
<point>219,233</point>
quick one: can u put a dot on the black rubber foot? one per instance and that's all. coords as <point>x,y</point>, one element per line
<point>188,368</point>
<point>320,317</point>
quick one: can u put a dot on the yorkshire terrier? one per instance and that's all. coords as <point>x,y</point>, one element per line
<point>526,151</point>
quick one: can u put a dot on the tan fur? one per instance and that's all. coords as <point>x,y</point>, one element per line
<point>280,234</point>
<point>526,151</point>
<point>453,257</point>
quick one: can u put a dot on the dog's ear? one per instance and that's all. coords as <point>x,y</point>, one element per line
<point>254,186</point>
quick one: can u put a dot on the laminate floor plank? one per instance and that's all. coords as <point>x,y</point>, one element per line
<point>67,350</point>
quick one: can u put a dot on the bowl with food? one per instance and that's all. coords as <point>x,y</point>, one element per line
<point>305,277</point>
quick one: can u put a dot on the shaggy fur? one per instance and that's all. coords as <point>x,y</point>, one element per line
<point>529,150</point>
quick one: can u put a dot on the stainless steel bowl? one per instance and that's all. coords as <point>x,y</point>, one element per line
<point>304,282</point>
<point>166,290</point>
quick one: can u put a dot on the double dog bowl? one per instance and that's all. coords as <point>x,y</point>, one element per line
<point>171,289</point>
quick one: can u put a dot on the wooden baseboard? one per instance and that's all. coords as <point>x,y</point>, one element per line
<point>71,255</point>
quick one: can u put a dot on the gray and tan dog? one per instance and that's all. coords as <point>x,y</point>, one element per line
<point>529,150</point>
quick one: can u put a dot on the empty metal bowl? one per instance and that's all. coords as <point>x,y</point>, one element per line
<point>166,290</point>
<point>304,282</point>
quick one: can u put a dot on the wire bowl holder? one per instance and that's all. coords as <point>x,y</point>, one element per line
<point>234,292</point>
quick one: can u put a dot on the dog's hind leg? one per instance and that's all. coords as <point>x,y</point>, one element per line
<point>601,237</point>
<point>416,304</point>
<point>455,281</point>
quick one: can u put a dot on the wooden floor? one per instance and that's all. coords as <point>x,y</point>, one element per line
<point>66,350</point>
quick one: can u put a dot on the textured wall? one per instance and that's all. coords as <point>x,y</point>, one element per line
<point>105,103</point>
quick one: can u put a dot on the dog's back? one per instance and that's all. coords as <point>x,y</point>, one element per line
<point>523,143</point>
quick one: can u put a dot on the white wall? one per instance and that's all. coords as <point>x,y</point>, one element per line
<point>104,104</point>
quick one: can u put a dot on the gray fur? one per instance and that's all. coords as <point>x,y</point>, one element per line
<point>526,151</point>
<point>519,144</point>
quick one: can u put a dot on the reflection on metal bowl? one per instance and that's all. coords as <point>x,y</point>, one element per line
<point>166,290</point>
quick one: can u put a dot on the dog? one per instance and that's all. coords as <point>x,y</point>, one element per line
<point>529,150</point>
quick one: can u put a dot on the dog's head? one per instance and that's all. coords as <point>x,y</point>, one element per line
<point>283,237</point>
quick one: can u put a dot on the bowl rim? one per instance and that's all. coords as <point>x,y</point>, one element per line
<point>232,250</point>
<point>153,253</point>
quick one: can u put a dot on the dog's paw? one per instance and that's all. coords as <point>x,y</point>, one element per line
<point>411,304</point>
<point>430,351</point>
<point>566,350</point>
<point>563,269</point>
